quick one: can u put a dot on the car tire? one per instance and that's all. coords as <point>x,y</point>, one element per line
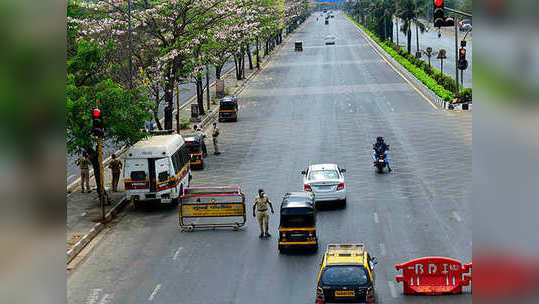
<point>343,203</point>
<point>137,204</point>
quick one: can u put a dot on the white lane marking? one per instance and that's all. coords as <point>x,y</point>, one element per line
<point>84,214</point>
<point>94,296</point>
<point>376,220</point>
<point>107,298</point>
<point>456,216</point>
<point>395,69</point>
<point>69,177</point>
<point>382,249</point>
<point>176,253</point>
<point>392,289</point>
<point>156,289</point>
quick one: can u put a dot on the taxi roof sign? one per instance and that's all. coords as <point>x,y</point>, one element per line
<point>345,249</point>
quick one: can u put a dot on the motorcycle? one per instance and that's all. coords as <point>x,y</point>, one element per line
<point>380,162</point>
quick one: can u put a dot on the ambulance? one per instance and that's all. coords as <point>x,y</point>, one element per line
<point>157,169</point>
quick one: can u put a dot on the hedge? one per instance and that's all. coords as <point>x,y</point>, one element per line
<point>432,78</point>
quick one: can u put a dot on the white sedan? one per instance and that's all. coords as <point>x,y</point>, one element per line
<point>330,39</point>
<point>326,181</point>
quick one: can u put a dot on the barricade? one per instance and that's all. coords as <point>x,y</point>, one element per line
<point>211,207</point>
<point>434,276</point>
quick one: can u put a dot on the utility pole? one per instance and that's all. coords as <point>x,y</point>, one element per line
<point>178,107</point>
<point>129,44</point>
<point>208,88</point>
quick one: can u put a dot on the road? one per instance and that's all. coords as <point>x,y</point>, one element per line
<point>325,104</point>
<point>446,41</point>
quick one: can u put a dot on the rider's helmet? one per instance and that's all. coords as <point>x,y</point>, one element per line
<point>379,139</point>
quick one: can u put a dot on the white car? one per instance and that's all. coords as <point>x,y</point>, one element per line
<point>330,39</point>
<point>326,181</point>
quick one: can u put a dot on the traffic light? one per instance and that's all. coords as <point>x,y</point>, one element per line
<point>97,128</point>
<point>439,15</point>
<point>463,63</point>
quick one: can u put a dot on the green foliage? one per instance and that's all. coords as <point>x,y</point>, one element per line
<point>405,59</point>
<point>123,111</point>
<point>465,95</point>
<point>185,124</point>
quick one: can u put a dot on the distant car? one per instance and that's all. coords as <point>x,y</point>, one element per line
<point>326,181</point>
<point>332,16</point>
<point>330,40</point>
<point>465,25</point>
<point>346,275</point>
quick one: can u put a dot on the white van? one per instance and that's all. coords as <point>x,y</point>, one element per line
<point>157,168</point>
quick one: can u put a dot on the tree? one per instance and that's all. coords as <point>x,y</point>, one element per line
<point>410,11</point>
<point>123,110</point>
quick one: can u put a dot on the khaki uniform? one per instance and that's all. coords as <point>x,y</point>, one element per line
<point>84,165</point>
<point>262,214</point>
<point>116,167</point>
<point>215,134</point>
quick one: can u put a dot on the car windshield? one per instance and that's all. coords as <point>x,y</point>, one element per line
<point>193,148</point>
<point>345,275</point>
<point>228,106</point>
<point>323,174</point>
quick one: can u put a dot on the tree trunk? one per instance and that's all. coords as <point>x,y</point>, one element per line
<point>242,63</point>
<point>169,104</point>
<point>218,70</point>
<point>249,56</point>
<point>92,155</point>
<point>156,111</point>
<point>266,48</point>
<point>409,38</point>
<point>417,38</point>
<point>257,54</point>
<point>200,96</point>
<point>236,68</point>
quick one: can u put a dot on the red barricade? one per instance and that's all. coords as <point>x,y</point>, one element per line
<point>434,276</point>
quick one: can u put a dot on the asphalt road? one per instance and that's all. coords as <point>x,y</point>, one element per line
<point>325,104</point>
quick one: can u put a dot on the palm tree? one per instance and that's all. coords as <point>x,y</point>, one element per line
<point>410,11</point>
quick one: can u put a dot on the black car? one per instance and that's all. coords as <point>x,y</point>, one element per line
<point>297,227</point>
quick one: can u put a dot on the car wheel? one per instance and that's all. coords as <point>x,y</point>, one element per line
<point>343,203</point>
<point>137,205</point>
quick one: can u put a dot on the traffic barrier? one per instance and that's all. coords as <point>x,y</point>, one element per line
<point>210,207</point>
<point>434,276</point>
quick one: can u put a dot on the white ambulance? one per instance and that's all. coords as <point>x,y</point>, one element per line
<point>157,169</point>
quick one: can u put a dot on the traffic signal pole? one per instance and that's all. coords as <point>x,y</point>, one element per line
<point>100,185</point>
<point>456,56</point>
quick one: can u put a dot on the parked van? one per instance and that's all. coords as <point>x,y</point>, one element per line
<point>157,169</point>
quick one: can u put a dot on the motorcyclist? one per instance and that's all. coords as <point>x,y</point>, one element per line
<point>381,147</point>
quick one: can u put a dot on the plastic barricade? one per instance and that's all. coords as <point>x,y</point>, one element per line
<point>434,276</point>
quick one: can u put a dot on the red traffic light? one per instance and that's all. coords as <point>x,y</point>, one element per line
<point>463,51</point>
<point>438,3</point>
<point>96,113</point>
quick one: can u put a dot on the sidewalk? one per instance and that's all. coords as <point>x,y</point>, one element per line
<point>83,209</point>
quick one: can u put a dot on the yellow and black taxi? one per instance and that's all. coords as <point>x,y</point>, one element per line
<point>297,227</point>
<point>228,108</point>
<point>346,275</point>
<point>194,149</point>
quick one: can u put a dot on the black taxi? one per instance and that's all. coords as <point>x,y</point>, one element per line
<point>228,108</point>
<point>346,275</point>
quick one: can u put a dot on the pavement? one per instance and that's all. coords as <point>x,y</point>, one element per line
<point>325,104</point>
<point>446,41</point>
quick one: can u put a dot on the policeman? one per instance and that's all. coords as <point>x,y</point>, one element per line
<point>84,164</point>
<point>215,134</point>
<point>261,205</point>
<point>201,135</point>
<point>115,166</point>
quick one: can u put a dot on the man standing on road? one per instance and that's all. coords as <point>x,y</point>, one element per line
<point>201,136</point>
<point>215,134</point>
<point>115,166</point>
<point>261,205</point>
<point>84,164</point>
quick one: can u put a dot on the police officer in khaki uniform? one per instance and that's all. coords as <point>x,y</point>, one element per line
<point>215,134</point>
<point>84,164</point>
<point>115,166</point>
<point>262,215</point>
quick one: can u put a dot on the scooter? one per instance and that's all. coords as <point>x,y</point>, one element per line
<point>380,162</point>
